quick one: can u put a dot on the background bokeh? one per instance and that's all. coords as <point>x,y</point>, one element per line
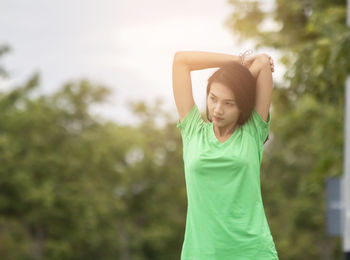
<point>91,159</point>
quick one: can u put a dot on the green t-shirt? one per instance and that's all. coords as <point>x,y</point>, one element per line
<point>225,213</point>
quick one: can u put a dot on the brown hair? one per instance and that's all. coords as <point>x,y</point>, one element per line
<point>242,83</point>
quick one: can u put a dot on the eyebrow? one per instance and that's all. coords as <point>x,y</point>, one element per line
<point>224,99</point>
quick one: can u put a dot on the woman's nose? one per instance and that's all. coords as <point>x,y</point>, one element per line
<point>218,109</point>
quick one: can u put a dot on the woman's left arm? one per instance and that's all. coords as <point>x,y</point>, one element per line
<point>262,68</point>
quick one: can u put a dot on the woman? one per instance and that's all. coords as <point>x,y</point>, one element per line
<point>222,157</point>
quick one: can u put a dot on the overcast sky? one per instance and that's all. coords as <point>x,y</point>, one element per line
<point>127,45</point>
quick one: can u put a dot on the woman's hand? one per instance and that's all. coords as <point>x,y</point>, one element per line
<point>248,60</point>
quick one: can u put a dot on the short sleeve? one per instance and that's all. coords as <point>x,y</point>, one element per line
<point>258,127</point>
<point>191,124</point>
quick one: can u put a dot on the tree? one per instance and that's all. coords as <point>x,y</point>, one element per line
<point>307,116</point>
<point>72,187</point>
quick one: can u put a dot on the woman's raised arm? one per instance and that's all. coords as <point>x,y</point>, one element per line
<point>262,69</point>
<point>197,60</point>
<point>185,62</point>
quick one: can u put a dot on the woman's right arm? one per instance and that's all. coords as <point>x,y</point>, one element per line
<point>185,62</point>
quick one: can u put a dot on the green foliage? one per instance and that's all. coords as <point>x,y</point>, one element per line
<point>308,111</point>
<point>72,187</point>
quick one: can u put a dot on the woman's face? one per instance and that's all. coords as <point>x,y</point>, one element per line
<point>221,103</point>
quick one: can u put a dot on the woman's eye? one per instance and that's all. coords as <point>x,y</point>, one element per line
<point>230,104</point>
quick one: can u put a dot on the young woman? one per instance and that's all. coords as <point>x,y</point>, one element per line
<point>222,157</point>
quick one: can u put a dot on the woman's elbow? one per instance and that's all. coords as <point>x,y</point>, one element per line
<point>264,60</point>
<point>179,57</point>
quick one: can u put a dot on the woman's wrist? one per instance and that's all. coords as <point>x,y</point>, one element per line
<point>243,55</point>
<point>262,59</point>
<point>259,62</point>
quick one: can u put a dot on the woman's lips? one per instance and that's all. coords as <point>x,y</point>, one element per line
<point>217,118</point>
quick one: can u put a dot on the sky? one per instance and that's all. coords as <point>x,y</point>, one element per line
<point>127,45</point>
